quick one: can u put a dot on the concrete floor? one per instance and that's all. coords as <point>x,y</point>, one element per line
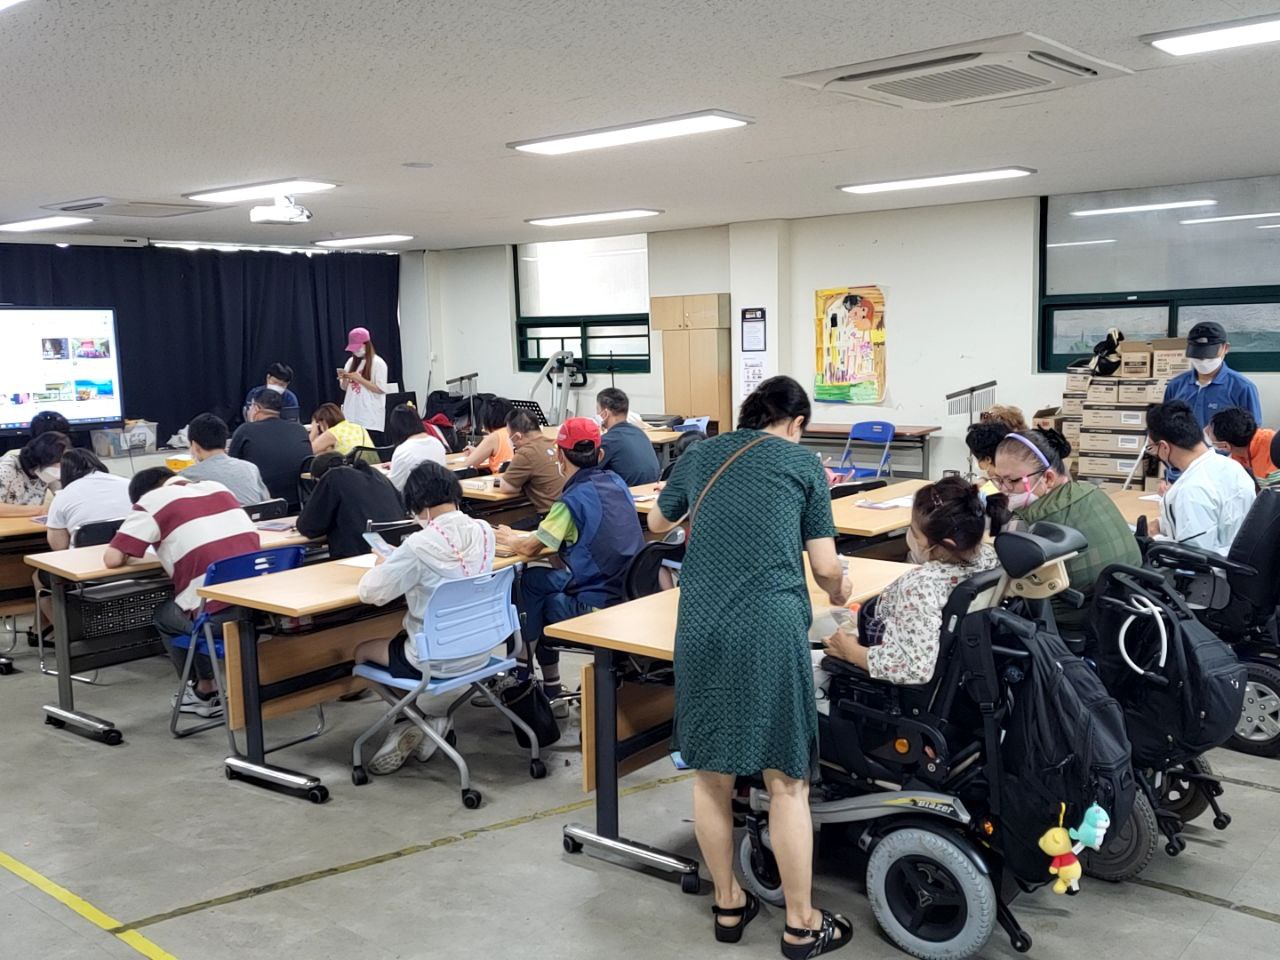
<point>151,828</point>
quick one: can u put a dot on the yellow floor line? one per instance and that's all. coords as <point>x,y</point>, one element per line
<point>84,909</point>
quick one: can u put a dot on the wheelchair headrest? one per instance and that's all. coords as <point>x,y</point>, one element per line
<point>1024,551</point>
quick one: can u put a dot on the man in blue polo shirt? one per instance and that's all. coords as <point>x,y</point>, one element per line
<point>1210,386</point>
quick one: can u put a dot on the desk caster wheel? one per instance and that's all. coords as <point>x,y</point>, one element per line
<point>1222,821</point>
<point>359,777</point>
<point>112,738</point>
<point>471,799</point>
<point>571,845</point>
<point>537,769</point>
<point>318,794</point>
<point>1020,942</point>
<point>55,721</point>
<point>6,668</point>
<point>229,773</point>
<point>690,883</point>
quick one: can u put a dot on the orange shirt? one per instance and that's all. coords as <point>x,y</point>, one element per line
<point>1258,461</point>
<point>503,452</point>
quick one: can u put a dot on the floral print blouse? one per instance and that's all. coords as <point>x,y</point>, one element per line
<point>16,488</point>
<point>907,619</point>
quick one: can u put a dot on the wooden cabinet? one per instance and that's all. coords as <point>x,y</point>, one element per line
<point>697,381</point>
<point>701,311</point>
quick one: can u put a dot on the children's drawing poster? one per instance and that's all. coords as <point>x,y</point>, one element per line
<point>850,345</point>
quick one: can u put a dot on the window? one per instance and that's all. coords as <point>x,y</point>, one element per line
<point>587,296</point>
<point>1151,273</point>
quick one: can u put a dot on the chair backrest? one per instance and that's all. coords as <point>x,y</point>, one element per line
<point>247,565</point>
<point>392,531</point>
<point>290,413</point>
<point>467,617</point>
<point>642,575</point>
<point>267,509</point>
<point>869,431</point>
<point>95,534</point>
<point>371,455</point>
<point>679,448</point>
<point>693,425</point>
<point>1257,545</point>
<point>858,486</point>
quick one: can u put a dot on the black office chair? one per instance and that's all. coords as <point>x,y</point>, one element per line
<point>371,455</point>
<point>392,531</point>
<point>642,575</point>
<point>95,534</point>
<point>290,413</point>
<point>306,482</point>
<point>841,490</point>
<point>267,509</point>
<point>678,448</point>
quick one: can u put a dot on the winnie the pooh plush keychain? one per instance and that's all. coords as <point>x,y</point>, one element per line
<point>1057,843</point>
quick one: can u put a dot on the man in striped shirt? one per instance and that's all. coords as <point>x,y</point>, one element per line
<point>190,524</point>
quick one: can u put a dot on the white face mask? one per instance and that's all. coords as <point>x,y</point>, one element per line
<point>1019,500</point>
<point>276,387</point>
<point>361,352</point>
<point>1206,367</point>
<point>599,420</point>
<point>50,474</point>
<point>916,552</point>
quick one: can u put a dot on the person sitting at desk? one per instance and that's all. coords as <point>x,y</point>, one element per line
<point>279,376</point>
<point>982,439</point>
<point>191,524</point>
<point>330,430</point>
<point>896,638</point>
<point>595,528</point>
<point>25,479</point>
<point>413,444</point>
<point>1031,470</point>
<point>534,472</point>
<point>90,493</point>
<point>1208,504</point>
<point>1236,432</point>
<point>450,546</point>
<point>344,500</point>
<point>207,437</point>
<point>495,449</point>
<point>627,450</point>
<point>276,447</point>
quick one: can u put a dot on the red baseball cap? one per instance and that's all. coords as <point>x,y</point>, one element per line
<point>575,430</point>
<point>357,338</point>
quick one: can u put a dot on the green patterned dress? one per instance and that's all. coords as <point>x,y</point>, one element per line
<point>744,676</point>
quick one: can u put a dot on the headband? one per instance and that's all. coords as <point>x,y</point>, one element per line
<point>1032,447</point>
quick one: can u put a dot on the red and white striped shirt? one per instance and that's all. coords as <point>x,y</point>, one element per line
<point>191,523</point>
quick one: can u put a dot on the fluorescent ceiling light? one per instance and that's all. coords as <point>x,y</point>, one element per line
<point>592,217</point>
<point>1270,226</point>
<point>261,191</point>
<point>1218,36</point>
<point>947,180</point>
<point>365,241</point>
<point>1079,243</point>
<point>6,4</point>
<point>704,121</point>
<point>229,247</point>
<point>43,223</point>
<point>1237,216</point>
<point>1146,207</point>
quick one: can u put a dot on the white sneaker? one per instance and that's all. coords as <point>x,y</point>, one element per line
<point>192,702</point>
<point>427,749</point>
<point>396,749</point>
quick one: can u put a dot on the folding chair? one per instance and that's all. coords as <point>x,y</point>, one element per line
<point>392,531</point>
<point>877,432</point>
<point>201,639</point>
<point>464,618</point>
<point>842,490</point>
<point>267,509</point>
<point>371,455</point>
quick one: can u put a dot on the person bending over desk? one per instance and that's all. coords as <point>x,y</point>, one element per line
<point>191,524</point>
<point>207,437</point>
<point>595,527</point>
<point>757,502</point>
<point>495,449</point>
<point>450,546</point>
<point>535,472</point>
<point>1236,433</point>
<point>330,430</point>
<point>345,499</point>
<point>627,450</point>
<point>27,477</point>
<point>278,448</point>
<point>413,444</point>
<point>896,638</point>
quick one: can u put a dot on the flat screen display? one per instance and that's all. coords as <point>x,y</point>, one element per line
<point>62,359</point>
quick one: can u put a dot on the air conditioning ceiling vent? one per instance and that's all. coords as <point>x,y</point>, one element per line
<point>114,207</point>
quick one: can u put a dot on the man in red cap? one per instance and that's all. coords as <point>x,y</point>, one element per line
<point>597,533</point>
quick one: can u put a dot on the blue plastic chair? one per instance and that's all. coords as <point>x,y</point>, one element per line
<point>693,425</point>
<point>464,618</point>
<point>877,432</point>
<point>204,639</point>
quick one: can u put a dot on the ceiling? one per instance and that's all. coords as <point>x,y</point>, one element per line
<point>152,99</point>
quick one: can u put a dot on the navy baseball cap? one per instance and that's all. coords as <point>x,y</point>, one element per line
<point>1204,340</point>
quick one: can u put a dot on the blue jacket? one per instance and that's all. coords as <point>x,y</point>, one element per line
<point>1227,389</point>
<point>609,535</point>
<point>288,399</point>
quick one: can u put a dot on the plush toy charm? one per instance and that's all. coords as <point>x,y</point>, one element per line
<point>1092,832</point>
<point>1056,842</point>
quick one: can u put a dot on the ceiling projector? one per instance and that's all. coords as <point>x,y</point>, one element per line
<point>284,210</point>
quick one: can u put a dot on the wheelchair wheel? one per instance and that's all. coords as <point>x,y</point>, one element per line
<point>1129,847</point>
<point>760,871</point>
<point>1258,732</point>
<point>1186,799</point>
<point>929,896</point>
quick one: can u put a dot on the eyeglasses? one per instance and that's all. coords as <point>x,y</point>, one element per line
<point>1010,484</point>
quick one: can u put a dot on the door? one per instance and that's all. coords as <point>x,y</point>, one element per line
<point>709,377</point>
<point>675,372</point>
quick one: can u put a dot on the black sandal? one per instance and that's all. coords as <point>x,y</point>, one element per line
<point>823,940</point>
<point>747,912</point>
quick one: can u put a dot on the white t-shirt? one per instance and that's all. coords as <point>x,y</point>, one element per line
<point>1207,505</point>
<point>362,405</point>
<point>94,497</point>
<point>417,449</point>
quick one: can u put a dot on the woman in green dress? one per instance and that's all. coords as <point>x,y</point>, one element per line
<point>757,501</point>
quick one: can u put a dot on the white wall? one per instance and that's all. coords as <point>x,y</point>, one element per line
<point>684,262</point>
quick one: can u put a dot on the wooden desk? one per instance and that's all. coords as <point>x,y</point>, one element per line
<point>15,527</point>
<point>19,536</point>
<point>648,491</point>
<point>646,628</point>
<point>1132,506</point>
<point>856,521</point>
<point>483,489</point>
<point>904,435</point>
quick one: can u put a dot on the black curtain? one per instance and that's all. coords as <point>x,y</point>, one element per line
<point>198,328</point>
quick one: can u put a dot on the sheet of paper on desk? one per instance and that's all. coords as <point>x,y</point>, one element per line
<point>478,484</point>
<point>1153,497</point>
<point>364,560</point>
<point>897,503</point>
<point>646,497</point>
<point>278,526</point>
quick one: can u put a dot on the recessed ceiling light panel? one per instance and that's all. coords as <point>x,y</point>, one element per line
<point>1218,36</point>
<point>261,191</point>
<point>1079,243</point>
<point>1236,216</point>
<point>378,241</point>
<point>592,217</point>
<point>704,121</point>
<point>1145,207</point>
<point>944,180</point>
<point>43,223</point>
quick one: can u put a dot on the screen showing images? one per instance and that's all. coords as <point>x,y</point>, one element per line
<point>63,360</point>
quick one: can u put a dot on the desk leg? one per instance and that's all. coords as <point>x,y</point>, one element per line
<point>253,767</point>
<point>924,457</point>
<point>605,839</point>
<point>65,712</point>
